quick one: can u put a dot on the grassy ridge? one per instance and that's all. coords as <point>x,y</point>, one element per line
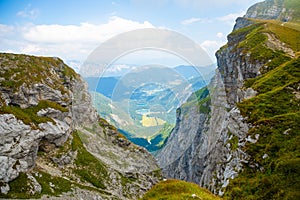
<point>16,68</point>
<point>274,169</point>
<point>178,190</point>
<point>23,70</point>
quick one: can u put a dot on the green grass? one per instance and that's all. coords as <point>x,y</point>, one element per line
<point>88,168</point>
<point>164,134</point>
<point>282,76</point>
<point>200,98</point>
<point>16,68</point>
<point>274,169</point>
<point>285,34</point>
<point>253,41</point>
<point>177,190</point>
<point>275,93</point>
<point>60,185</point>
<point>279,175</point>
<point>21,187</point>
<point>233,141</point>
<point>29,115</point>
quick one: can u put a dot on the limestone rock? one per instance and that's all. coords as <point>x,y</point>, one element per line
<point>36,127</point>
<point>269,9</point>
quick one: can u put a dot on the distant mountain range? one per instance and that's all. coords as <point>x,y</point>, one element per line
<point>196,76</point>
<point>142,104</point>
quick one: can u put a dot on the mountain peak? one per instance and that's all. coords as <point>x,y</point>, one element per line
<point>281,10</point>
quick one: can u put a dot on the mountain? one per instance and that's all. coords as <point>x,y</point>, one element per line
<point>190,72</point>
<point>117,116</point>
<point>103,85</point>
<point>142,104</point>
<point>197,76</point>
<point>240,139</point>
<point>53,143</point>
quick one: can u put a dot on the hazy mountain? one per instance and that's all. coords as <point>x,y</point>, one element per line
<point>142,101</point>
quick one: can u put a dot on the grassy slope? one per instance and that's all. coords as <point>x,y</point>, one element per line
<point>17,68</point>
<point>200,98</point>
<point>176,190</point>
<point>274,172</point>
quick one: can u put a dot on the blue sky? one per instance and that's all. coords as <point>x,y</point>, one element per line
<point>73,29</point>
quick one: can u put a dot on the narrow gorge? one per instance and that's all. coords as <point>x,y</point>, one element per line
<point>237,137</point>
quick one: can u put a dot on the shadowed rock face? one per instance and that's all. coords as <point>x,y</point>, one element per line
<point>39,111</point>
<point>207,159</point>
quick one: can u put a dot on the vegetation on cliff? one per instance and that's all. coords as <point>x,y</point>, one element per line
<point>177,190</point>
<point>273,170</point>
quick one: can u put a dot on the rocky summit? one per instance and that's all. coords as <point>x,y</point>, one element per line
<point>53,142</point>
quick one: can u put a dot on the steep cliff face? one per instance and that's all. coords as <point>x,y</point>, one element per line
<point>222,145</point>
<point>53,142</point>
<point>211,155</point>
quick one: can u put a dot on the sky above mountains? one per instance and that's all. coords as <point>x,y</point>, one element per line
<point>73,29</point>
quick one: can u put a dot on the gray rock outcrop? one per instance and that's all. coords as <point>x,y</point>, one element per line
<point>20,142</point>
<point>40,113</point>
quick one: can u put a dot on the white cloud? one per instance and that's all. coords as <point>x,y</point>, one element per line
<point>211,46</point>
<point>190,21</point>
<point>65,41</point>
<point>220,35</point>
<point>230,18</point>
<point>85,32</point>
<point>118,68</point>
<point>28,12</point>
<point>209,43</point>
<point>193,20</point>
<point>201,4</point>
<point>30,48</point>
<point>6,30</point>
<point>227,19</point>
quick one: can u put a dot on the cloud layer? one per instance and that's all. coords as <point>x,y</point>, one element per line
<point>68,41</point>
<point>76,42</point>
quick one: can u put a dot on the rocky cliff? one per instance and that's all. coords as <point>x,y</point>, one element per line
<point>234,147</point>
<point>54,143</point>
